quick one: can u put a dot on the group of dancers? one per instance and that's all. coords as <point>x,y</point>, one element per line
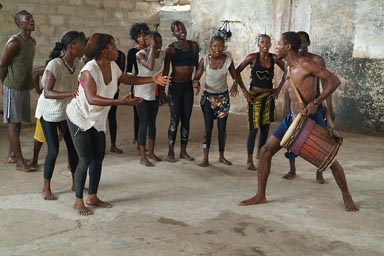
<point>80,85</point>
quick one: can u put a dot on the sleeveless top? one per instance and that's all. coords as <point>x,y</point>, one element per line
<point>85,115</point>
<point>184,58</point>
<point>148,91</point>
<point>262,77</point>
<point>19,75</point>
<point>216,79</point>
<point>53,110</point>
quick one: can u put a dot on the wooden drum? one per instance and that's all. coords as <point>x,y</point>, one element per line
<point>311,141</point>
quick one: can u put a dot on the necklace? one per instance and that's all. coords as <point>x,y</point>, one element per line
<point>71,69</point>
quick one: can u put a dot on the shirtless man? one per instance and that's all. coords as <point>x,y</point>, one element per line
<point>15,75</point>
<point>304,73</point>
<point>305,42</point>
<point>184,56</point>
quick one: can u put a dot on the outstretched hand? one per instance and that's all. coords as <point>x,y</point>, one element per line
<point>128,100</point>
<point>160,79</point>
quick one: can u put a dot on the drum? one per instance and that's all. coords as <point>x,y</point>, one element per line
<point>311,141</point>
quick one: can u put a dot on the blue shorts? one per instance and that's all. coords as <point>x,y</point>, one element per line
<point>280,131</point>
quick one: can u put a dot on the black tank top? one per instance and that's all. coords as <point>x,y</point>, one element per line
<point>262,77</point>
<point>184,58</point>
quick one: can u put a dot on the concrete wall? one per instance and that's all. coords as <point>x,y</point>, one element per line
<point>348,34</point>
<point>54,17</point>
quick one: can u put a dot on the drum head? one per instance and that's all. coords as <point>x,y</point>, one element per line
<point>291,130</point>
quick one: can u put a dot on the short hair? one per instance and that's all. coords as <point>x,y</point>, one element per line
<point>155,34</point>
<point>305,35</point>
<point>17,16</point>
<point>96,43</point>
<point>67,38</point>
<point>217,38</point>
<point>293,39</point>
<point>175,24</point>
<point>258,38</point>
<point>137,29</point>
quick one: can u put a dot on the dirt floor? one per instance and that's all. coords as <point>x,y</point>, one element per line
<point>183,209</point>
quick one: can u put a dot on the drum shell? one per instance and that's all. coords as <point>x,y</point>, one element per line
<point>311,141</point>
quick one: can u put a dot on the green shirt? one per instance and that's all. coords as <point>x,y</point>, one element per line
<point>19,75</point>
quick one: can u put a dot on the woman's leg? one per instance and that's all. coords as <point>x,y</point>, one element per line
<point>222,135</point>
<point>113,126</point>
<point>143,112</point>
<point>83,145</point>
<point>175,105</point>
<point>73,158</point>
<point>185,118</point>
<point>153,108</point>
<point>264,130</point>
<point>208,127</point>
<point>95,167</point>
<point>52,138</point>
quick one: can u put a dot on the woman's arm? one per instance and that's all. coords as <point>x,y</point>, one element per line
<point>147,62</point>
<point>49,86</point>
<point>90,90</point>
<point>137,80</point>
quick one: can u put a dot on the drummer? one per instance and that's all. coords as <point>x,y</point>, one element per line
<point>304,73</point>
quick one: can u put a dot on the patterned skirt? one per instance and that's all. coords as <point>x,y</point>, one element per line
<point>261,111</point>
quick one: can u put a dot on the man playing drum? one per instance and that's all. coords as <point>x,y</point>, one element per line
<point>304,73</point>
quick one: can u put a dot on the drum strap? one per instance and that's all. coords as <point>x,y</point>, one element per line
<point>335,136</point>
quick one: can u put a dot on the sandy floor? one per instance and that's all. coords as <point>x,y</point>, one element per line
<point>183,209</point>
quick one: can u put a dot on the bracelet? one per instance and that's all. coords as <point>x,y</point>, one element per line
<point>315,104</point>
<point>195,81</point>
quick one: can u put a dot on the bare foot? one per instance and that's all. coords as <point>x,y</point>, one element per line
<point>186,156</point>
<point>319,177</point>
<point>224,161</point>
<point>349,205</point>
<point>154,157</point>
<point>290,175</point>
<point>205,163</point>
<point>170,158</point>
<point>27,167</point>
<point>146,162</point>
<point>11,160</point>
<point>251,166</point>
<point>254,200</point>
<point>47,195</point>
<point>81,209</point>
<point>98,203</point>
<point>116,150</point>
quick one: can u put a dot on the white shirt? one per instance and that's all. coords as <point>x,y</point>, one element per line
<point>53,110</point>
<point>147,91</point>
<point>216,79</point>
<point>85,115</point>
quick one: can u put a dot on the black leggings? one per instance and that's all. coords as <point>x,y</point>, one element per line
<point>90,146</point>
<point>147,111</point>
<point>50,130</point>
<point>112,121</point>
<point>264,129</point>
<point>180,97</point>
<point>221,127</point>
